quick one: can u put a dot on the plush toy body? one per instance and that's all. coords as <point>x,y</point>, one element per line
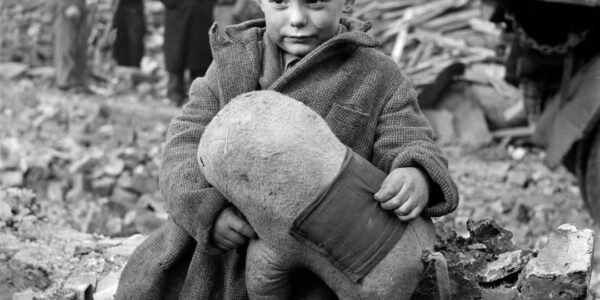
<point>272,157</point>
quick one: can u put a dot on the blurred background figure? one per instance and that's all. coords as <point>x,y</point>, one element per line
<point>70,44</point>
<point>130,25</point>
<point>186,44</point>
<point>229,12</point>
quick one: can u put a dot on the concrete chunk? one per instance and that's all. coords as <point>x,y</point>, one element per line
<point>562,269</point>
<point>506,264</point>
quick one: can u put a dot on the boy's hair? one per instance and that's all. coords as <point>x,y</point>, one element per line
<point>347,9</point>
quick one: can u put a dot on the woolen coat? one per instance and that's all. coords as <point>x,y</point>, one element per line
<point>186,44</point>
<point>359,91</point>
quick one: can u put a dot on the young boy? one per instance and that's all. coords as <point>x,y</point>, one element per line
<point>308,51</point>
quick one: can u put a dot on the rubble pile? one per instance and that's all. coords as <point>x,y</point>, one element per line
<point>487,265</point>
<point>425,37</point>
<point>43,261</point>
<point>39,260</point>
<point>27,49</point>
<point>91,166</point>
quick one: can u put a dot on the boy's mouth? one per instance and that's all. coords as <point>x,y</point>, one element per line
<point>298,38</point>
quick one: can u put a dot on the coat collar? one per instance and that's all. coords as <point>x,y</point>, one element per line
<point>238,52</point>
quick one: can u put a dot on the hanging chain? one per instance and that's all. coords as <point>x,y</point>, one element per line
<point>572,41</point>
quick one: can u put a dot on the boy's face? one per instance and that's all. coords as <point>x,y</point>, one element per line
<point>299,26</point>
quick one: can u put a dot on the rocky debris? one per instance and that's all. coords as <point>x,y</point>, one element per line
<point>562,269</point>
<point>12,70</point>
<point>86,161</point>
<point>18,206</point>
<point>487,265</point>
<point>50,262</point>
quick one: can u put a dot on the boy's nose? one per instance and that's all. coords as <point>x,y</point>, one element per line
<point>297,16</point>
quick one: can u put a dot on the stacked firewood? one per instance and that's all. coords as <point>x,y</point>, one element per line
<point>424,37</point>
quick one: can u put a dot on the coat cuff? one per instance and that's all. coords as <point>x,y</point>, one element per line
<point>443,197</point>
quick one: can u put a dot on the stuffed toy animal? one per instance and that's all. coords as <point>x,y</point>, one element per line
<point>310,200</point>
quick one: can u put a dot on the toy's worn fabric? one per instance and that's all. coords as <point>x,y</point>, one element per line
<point>346,224</point>
<point>359,91</point>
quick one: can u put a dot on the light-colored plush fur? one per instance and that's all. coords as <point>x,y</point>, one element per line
<point>271,156</point>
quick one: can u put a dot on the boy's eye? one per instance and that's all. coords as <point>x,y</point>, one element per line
<point>315,3</point>
<point>278,2</point>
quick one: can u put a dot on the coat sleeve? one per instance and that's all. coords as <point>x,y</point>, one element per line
<point>192,202</point>
<point>405,139</point>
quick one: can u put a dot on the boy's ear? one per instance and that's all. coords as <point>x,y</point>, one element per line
<point>347,8</point>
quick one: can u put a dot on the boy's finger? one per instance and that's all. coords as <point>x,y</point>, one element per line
<point>389,188</point>
<point>406,208</point>
<point>234,237</point>
<point>399,198</point>
<point>395,202</point>
<point>224,245</point>
<point>415,213</point>
<point>243,228</point>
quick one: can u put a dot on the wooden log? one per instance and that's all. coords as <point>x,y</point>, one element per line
<point>402,36</point>
<point>447,42</point>
<point>463,16</point>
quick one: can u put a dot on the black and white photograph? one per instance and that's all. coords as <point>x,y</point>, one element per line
<point>299,149</point>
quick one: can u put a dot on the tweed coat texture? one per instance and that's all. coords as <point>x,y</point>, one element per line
<point>359,91</point>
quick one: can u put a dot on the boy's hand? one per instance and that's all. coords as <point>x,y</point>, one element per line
<point>231,230</point>
<point>405,191</point>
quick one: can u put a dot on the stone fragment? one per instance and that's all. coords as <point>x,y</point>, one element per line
<point>471,125</point>
<point>115,167</point>
<point>143,182</point>
<point>113,225</point>
<point>488,232</point>
<point>103,186</point>
<point>44,72</point>
<point>147,221</point>
<point>125,247</point>
<point>499,293</point>
<point>498,171</point>
<point>124,197</point>
<point>518,178</point>
<point>5,211</point>
<point>84,164</point>
<point>57,190</point>
<point>442,122</point>
<point>82,286</point>
<point>11,178</point>
<point>505,264</point>
<point>12,70</point>
<point>107,286</point>
<point>24,295</point>
<point>562,269</point>
<point>125,180</point>
<point>29,270</point>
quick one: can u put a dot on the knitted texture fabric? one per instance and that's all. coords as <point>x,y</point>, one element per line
<point>359,91</point>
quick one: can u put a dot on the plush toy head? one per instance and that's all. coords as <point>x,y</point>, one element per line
<point>310,200</point>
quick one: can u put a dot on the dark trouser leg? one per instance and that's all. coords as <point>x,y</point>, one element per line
<point>176,88</point>
<point>195,74</point>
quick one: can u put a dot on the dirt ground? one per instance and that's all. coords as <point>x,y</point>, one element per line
<point>510,185</point>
